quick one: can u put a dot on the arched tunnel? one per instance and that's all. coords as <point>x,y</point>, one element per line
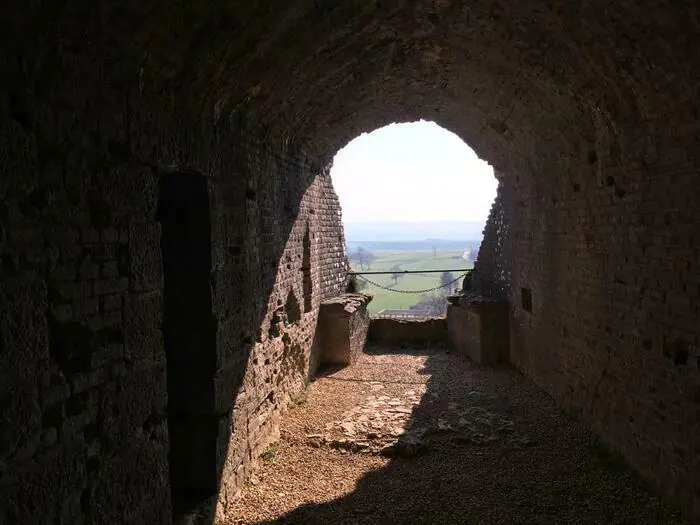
<point>168,227</point>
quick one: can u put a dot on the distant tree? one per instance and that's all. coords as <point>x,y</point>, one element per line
<point>446,279</point>
<point>369,259</point>
<point>396,269</point>
<point>363,257</point>
<point>355,259</point>
<point>358,257</point>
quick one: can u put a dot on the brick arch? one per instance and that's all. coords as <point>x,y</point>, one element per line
<point>507,79</point>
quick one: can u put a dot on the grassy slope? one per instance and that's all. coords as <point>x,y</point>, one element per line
<point>444,260</point>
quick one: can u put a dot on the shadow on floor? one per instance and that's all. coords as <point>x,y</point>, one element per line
<point>493,449</point>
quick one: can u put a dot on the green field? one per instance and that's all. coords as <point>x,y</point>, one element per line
<point>383,261</point>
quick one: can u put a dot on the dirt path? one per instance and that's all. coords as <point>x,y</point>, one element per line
<point>409,437</point>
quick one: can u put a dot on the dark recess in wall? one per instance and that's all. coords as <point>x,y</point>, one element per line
<point>526,297</point>
<point>188,332</point>
<point>306,269</point>
<point>291,308</point>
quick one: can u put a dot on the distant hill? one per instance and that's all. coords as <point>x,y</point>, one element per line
<point>426,245</point>
<point>414,231</point>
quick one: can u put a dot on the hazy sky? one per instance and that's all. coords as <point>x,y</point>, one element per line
<point>412,172</point>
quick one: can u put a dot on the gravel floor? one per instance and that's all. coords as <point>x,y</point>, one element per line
<point>422,436</point>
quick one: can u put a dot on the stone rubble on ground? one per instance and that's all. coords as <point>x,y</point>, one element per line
<point>382,425</point>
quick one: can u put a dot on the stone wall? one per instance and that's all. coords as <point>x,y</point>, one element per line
<point>398,331</point>
<point>83,386</point>
<point>599,260</point>
<point>84,413</point>
<point>278,252</point>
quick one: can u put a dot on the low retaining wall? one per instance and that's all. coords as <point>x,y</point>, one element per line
<point>393,331</point>
<point>478,328</point>
<point>343,323</point>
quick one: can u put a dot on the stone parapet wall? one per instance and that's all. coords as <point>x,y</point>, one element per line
<point>397,331</point>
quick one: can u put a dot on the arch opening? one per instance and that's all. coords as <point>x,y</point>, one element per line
<point>415,197</point>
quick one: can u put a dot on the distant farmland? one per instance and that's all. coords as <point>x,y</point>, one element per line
<point>420,260</point>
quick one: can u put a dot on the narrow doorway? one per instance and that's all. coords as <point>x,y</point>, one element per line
<point>189,338</point>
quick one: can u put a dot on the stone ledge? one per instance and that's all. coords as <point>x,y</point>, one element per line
<point>346,304</point>
<point>478,327</point>
<point>343,322</point>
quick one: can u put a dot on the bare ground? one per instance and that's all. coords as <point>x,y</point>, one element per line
<point>423,436</point>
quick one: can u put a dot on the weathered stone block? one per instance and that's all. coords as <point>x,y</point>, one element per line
<point>342,327</point>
